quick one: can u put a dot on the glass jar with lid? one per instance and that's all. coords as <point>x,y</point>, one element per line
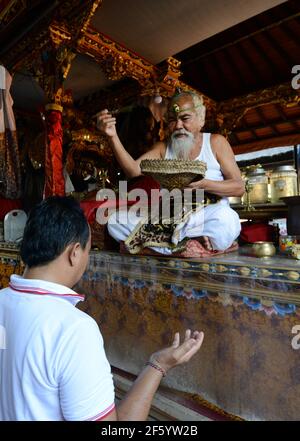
<point>283,182</point>
<point>257,185</point>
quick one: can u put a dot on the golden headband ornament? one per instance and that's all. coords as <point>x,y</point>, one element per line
<point>176,109</point>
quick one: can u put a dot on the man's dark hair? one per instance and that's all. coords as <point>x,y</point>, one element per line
<point>52,225</point>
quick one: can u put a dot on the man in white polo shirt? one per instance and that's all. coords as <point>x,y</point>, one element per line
<point>52,360</point>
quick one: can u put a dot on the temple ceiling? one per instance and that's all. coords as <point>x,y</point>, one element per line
<point>239,57</point>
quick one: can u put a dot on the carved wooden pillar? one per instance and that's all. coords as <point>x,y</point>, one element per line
<point>54,178</point>
<point>55,64</point>
<point>46,51</point>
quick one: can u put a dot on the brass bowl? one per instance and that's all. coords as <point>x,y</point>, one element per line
<point>173,173</point>
<point>263,249</point>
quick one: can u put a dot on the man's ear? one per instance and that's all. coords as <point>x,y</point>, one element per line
<point>73,253</point>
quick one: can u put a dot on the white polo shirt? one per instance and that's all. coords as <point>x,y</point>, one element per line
<point>52,360</point>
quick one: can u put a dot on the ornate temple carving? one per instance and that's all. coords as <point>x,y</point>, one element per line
<point>10,10</point>
<point>75,15</point>
<point>53,52</point>
<point>118,62</point>
<point>52,65</point>
<point>63,29</point>
<point>230,112</point>
<point>115,60</point>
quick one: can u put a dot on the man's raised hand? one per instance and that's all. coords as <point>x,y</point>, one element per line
<point>106,123</point>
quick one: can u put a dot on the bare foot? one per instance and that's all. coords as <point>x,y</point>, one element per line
<point>204,240</point>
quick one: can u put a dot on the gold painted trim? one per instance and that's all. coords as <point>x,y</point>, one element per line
<point>229,270</point>
<point>264,292</point>
<point>157,259</point>
<point>118,62</point>
<point>234,290</point>
<point>53,106</point>
<point>13,9</point>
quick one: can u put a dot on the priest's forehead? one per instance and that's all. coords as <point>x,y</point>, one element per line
<point>184,103</point>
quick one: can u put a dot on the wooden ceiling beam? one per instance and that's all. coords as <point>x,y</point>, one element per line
<point>267,123</point>
<point>251,66</point>
<point>235,68</point>
<point>247,128</point>
<point>212,72</point>
<point>241,39</point>
<point>200,75</point>
<point>277,141</point>
<point>276,43</point>
<point>263,54</point>
<point>234,138</point>
<point>284,116</point>
<point>284,54</point>
<point>230,112</point>
<point>283,93</point>
<point>219,67</point>
<point>294,36</point>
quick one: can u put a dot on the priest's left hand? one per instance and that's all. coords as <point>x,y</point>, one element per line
<point>197,185</point>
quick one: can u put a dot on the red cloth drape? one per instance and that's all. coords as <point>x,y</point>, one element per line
<point>6,205</point>
<point>253,232</point>
<point>54,179</point>
<point>90,207</point>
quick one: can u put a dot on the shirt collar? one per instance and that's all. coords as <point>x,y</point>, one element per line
<point>42,287</point>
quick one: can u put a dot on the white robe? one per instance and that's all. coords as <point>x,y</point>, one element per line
<point>217,221</point>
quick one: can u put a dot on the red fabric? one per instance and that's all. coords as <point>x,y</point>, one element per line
<point>257,232</point>
<point>54,179</point>
<point>195,249</point>
<point>146,183</point>
<point>7,205</point>
<point>90,207</point>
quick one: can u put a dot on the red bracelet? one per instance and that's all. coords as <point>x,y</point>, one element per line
<point>158,368</point>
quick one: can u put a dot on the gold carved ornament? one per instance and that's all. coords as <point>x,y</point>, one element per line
<point>118,62</point>
<point>230,112</point>
<point>11,10</point>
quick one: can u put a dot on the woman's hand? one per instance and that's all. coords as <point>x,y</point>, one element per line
<point>106,123</point>
<point>178,353</point>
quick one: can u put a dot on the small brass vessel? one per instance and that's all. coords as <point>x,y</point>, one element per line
<point>263,249</point>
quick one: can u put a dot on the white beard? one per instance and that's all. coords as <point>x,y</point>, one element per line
<point>182,147</point>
